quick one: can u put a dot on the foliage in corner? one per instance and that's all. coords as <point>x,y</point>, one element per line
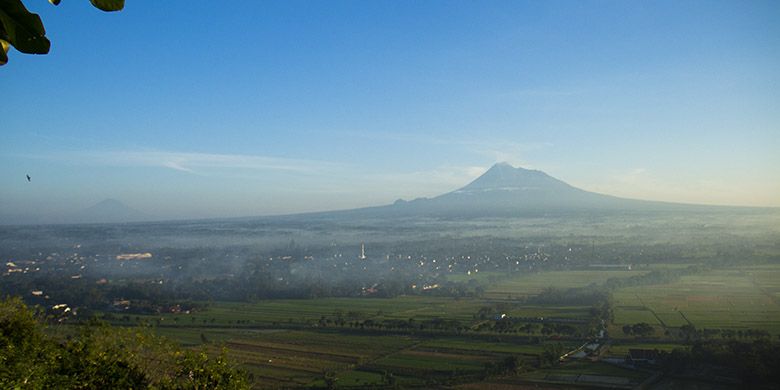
<point>24,30</point>
<point>102,357</point>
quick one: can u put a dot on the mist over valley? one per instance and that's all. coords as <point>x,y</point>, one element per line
<point>389,195</point>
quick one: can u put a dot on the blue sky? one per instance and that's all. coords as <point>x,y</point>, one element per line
<point>189,109</point>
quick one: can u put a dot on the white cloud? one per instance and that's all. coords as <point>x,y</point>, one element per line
<point>198,163</point>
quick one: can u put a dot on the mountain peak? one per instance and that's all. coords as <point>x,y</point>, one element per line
<point>507,190</point>
<point>503,176</point>
<point>508,168</point>
<point>501,164</point>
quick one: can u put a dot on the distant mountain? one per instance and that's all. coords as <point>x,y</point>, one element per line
<point>108,211</point>
<point>504,190</point>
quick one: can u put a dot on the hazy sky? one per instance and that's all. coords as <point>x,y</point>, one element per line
<point>204,108</point>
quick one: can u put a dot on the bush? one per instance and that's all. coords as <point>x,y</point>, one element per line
<point>102,357</point>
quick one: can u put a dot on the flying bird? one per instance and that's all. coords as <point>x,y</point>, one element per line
<point>28,178</point>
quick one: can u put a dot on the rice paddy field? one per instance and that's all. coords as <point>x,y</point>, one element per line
<point>278,359</point>
<point>721,299</point>
<point>621,349</point>
<point>530,284</point>
<point>573,374</point>
<point>284,343</point>
<point>274,313</point>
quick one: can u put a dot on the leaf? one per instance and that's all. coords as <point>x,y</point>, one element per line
<point>24,29</point>
<point>3,35</point>
<point>108,5</point>
<point>4,52</point>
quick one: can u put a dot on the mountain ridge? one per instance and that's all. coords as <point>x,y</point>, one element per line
<point>502,176</point>
<point>501,191</point>
<point>505,190</point>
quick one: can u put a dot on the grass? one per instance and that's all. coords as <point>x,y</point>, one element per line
<point>484,346</point>
<point>632,315</point>
<point>537,311</point>
<point>276,313</point>
<point>580,367</point>
<point>359,378</point>
<point>526,285</point>
<point>432,361</point>
<point>723,299</point>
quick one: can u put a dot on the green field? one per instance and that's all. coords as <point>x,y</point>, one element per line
<point>275,313</point>
<point>633,315</point>
<point>621,349</point>
<point>597,373</point>
<point>299,358</point>
<point>531,284</point>
<point>720,299</point>
<point>290,343</point>
<point>501,347</point>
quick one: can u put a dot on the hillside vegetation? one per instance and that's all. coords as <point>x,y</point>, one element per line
<point>100,356</point>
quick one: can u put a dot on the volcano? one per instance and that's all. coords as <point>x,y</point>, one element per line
<point>505,191</point>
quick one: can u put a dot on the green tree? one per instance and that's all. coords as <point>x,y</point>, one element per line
<point>330,379</point>
<point>551,355</point>
<point>642,329</point>
<point>102,357</point>
<point>25,353</point>
<point>512,365</point>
